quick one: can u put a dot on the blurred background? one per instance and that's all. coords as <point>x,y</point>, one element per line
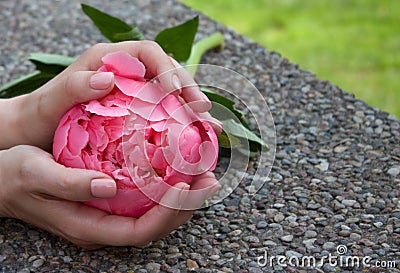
<point>354,44</point>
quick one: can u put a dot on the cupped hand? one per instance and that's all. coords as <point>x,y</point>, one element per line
<point>38,113</point>
<point>44,193</point>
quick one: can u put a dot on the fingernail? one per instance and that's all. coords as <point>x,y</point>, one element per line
<point>176,82</point>
<point>213,190</point>
<point>183,195</point>
<point>204,97</point>
<point>103,188</point>
<point>101,80</point>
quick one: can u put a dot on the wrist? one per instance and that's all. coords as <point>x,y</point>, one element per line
<point>2,188</point>
<point>10,112</point>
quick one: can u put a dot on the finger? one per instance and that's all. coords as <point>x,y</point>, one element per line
<point>103,229</point>
<point>158,64</point>
<point>78,87</point>
<point>191,92</point>
<point>156,61</point>
<point>202,188</point>
<point>217,125</point>
<point>72,184</point>
<point>181,218</point>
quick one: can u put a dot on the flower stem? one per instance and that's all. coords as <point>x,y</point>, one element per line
<point>202,46</point>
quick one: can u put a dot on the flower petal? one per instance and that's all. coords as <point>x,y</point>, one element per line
<point>129,87</point>
<point>123,64</point>
<point>95,107</point>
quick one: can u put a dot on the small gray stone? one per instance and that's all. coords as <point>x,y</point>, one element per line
<point>214,257</point>
<point>269,243</point>
<point>310,234</point>
<point>328,246</point>
<point>355,236</point>
<point>348,203</point>
<point>394,171</point>
<point>153,267</point>
<point>323,166</point>
<point>292,253</point>
<point>287,238</point>
<point>340,149</point>
<point>378,224</point>
<point>38,263</point>
<point>279,217</point>
<point>309,242</point>
<point>278,205</point>
<point>262,224</point>
<point>3,258</point>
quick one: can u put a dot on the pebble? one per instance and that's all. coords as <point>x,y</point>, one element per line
<point>340,149</point>
<point>269,243</point>
<point>262,224</point>
<point>378,224</point>
<point>349,203</point>
<point>192,265</point>
<point>279,217</point>
<point>355,236</point>
<point>287,238</point>
<point>153,267</point>
<point>329,246</point>
<point>394,171</point>
<point>292,253</point>
<point>310,234</point>
<point>38,263</point>
<point>214,257</point>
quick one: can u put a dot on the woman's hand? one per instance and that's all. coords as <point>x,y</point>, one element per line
<point>33,118</point>
<point>36,189</point>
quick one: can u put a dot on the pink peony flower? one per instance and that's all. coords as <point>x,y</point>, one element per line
<point>140,135</point>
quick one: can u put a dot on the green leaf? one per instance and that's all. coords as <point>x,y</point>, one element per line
<point>114,29</point>
<point>178,40</point>
<point>226,140</point>
<point>227,103</point>
<point>25,84</point>
<point>50,63</point>
<point>238,130</point>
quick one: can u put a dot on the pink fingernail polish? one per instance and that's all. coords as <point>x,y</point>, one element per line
<point>204,97</point>
<point>213,190</point>
<point>182,196</point>
<point>101,80</point>
<point>176,82</point>
<point>103,188</point>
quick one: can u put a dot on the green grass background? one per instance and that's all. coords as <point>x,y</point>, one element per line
<point>353,43</point>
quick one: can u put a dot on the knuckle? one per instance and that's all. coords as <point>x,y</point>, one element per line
<point>65,184</point>
<point>42,105</point>
<point>27,168</point>
<point>96,48</point>
<point>70,89</point>
<point>151,45</point>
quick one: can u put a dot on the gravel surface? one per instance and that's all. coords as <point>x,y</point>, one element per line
<point>334,185</point>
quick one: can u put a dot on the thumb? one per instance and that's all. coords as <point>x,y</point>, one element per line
<point>66,91</point>
<point>72,184</point>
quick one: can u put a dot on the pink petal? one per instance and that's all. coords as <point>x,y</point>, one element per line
<point>128,86</point>
<point>151,92</point>
<point>96,108</point>
<point>148,111</point>
<point>123,64</point>
<point>67,159</point>
<point>176,110</point>
<point>190,137</point>
<point>78,138</point>
<point>158,161</point>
